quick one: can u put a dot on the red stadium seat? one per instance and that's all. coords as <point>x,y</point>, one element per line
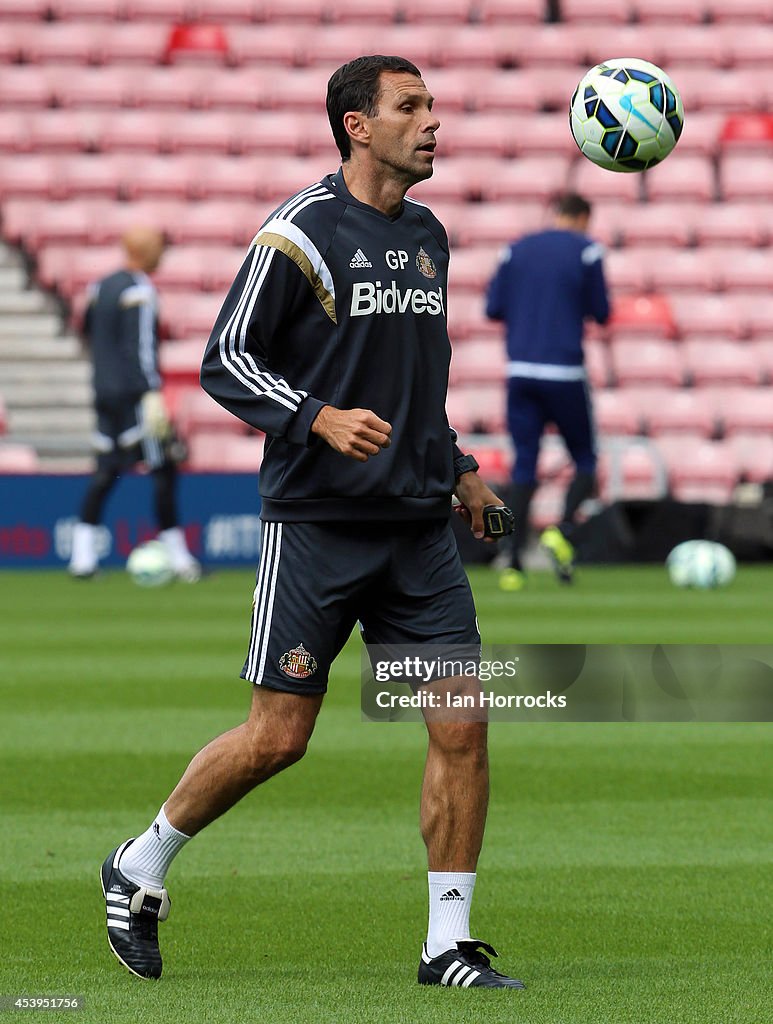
<point>494,461</point>
<point>239,89</point>
<point>747,45</point>
<point>180,363</point>
<point>554,44</point>
<point>175,87</point>
<point>597,11</point>
<point>221,177</point>
<point>689,12</point>
<point>472,269</point>
<point>25,87</point>
<point>642,315</point>
<point>529,89</point>
<point>698,313</point>
<point>711,89</point>
<point>754,11</point>
<point>699,470</point>
<point>65,131</point>
<point>748,132</point>
<point>763,356</point>
<point>162,176</point>
<point>271,44</point>
<point>614,412</point>
<point>18,458</point>
<point>475,45</point>
<point>196,42</point>
<point>198,413</point>
<point>71,269</point>
<point>496,223</point>
<point>462,134</point>
<point>689,177</point>
<point>729,224</point>
<point>156,10</point>
<point>214,221</point>
<point>437,12</point>
<point>380,12</point>
<point>136,130</point>
<point>458,179</point>
<point>757,313</point>
<point>628,270</point>
<point>632,470</point>
<point>31,176</point>
<point>745,409</point>
<point>109,87</point>
<point>60,223</point>
<point>190,315</point>
<point>94,10</point>
<point>333,45</point>
<point>535,178</point>
<point>136,43</point>
<point>597,362</point>
<point>220,452</point>
<point>478,362</point>
<point>720,362</point>
<point>701,45</point>
<point>527,12</point>
<point>700,135</point>
<point>15,135</point>
<point>312,11</point>
<point>743,177</point>
<point>597,184</point>
<point>228,11</point>
<point>685,270</point>
<point>297,90</point>
<point>64,43</point>
<point>675,411</point>
<point>652,223</point>
<point>746,270</point>
<point>30,9</point>
<point>647,362</point>
<point>92,175</point>
<point>753,455</point>
<point>202,131</point>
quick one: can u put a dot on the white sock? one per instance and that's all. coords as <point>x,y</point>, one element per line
<point>173,540</point>
<point>450,895</point>
<point>147,860</point>
<point>83,557</point>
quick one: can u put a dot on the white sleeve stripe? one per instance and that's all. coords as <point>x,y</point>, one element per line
<point>146,354</point>
<point>294,234</point>
<point>234,364</point>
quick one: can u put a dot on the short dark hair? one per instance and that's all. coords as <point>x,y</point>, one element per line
<point>571,204</point>
<point>355,86</point>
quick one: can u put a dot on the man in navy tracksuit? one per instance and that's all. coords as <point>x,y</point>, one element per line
<point>333,339</point>
<point>545,286</point>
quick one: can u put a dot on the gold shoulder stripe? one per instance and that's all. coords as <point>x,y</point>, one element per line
<point>302,261</point>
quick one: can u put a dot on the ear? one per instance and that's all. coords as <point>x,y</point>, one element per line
<point>356,126</point>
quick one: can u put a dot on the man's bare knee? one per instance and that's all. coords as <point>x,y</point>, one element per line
<point>278,729</point>
<point>460,740</point>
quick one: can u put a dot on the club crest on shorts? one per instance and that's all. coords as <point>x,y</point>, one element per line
<point>425,265</point>
<point>298,663</point>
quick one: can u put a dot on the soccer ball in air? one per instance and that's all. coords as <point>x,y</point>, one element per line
<point>700,563</point>
<point>149,565</point>
<point>626,115</point>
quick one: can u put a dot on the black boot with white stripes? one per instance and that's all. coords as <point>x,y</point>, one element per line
<point>464,967</point>
<point>133,913</point>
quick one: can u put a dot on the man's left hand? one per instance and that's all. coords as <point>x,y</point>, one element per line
<point>474,495</point>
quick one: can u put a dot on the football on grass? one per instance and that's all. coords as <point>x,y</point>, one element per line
<point>702,564</point>
<point>149,565</point>
<point>626,115</point>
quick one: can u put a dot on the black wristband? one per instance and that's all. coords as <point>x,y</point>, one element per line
<point>464,464</point>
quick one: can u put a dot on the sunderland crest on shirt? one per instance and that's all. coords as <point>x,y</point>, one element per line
<point>298,663</point>
<point>425,265</point>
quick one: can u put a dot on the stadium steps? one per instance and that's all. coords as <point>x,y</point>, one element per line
<point>44,376</point>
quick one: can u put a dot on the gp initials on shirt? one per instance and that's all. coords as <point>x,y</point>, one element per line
<point>369,298</point>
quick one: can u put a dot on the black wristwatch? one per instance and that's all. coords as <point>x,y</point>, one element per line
<point>464,464</point>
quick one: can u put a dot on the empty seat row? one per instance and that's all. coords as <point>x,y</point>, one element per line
<point>438,44</point>
<point>288,11</point>
<point>528,89</point>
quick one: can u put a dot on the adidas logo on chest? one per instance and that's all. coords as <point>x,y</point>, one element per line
<point>359,260</point>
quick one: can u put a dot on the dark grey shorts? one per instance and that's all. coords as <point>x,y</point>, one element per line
<point>404,582</point>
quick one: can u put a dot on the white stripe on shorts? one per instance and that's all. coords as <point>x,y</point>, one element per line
<point>265,592</point>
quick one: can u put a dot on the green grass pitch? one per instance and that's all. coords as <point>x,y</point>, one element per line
<point>625,874</point>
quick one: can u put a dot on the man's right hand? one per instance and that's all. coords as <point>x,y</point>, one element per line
<point>356,433</point>
<point>154,415</point>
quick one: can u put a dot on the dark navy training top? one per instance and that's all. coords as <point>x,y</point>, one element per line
<point>337,303</point>
<point>545,286</point>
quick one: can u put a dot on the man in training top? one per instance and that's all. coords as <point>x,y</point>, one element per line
<point>333,340</point>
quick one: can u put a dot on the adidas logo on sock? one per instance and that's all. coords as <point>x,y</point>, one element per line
<point>360,260</point>
<point>452,894</point>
